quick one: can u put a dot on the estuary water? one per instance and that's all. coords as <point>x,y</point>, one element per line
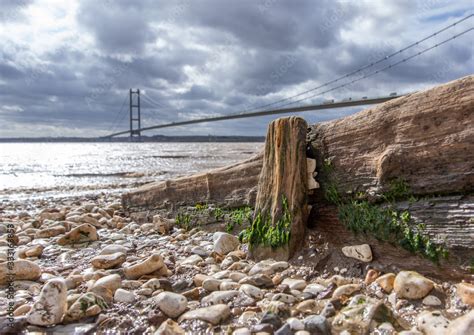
<point>32,170</point>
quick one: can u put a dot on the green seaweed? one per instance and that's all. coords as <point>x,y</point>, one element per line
<point>201,208</point>
<point>398,189</point>
<point>218,213</point>
<point>332,195</point>
<point>384,222</point>
<point>183,220</point>
<point>263,232</point>
<point>237,217</point>
<point>389,225</point>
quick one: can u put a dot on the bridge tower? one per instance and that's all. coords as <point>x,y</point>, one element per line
<point>135,117</point>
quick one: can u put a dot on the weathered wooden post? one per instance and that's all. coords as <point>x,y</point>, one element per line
<point>281,210</point>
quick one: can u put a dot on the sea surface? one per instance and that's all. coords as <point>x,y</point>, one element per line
<point>32,170</point>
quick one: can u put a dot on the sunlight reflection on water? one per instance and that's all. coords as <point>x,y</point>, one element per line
<point>42,169</point>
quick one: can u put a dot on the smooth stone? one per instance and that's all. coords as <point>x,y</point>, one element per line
<point>314,289</point>
<point>358,316</point>
<point>34,251</point>
<point>229,262</point>
<point>51,305</point>
<point>151,264</point>
<point>147,292</point>
<point>112,249</point>
<point>465,291</point>
<point>199,279</point>
<point>360,252</point>
<point>180,285</point>
<point>106,286</point>
<point>262,267</point>
<point>386,282</point>
<point>284,330</point>
<point>431,300</point>
<point>219,297</point>
<point>316,324</point>
<point>225,243</point>
<point>251,291</point>
<point>211,284</point>
<point>22,310</point>
<point>51,215</point>
<point>346,290</point>
<point>242,331</point>
<point>22,270</point>
<point>239,266</point>
<point>295,324</point>
<point>286,298</point>
<point>192,294</point>
<point>259,280</point>
<point>433,323</point>
<point>153,284</point>
<point>462,325</point>
<point>198,250</point>
<point>294,284</point>
<point>221,274</point>
<point>86,305</point>
<point>169,327</point>
<point>308,307</point>
<point>229,285</point>
<point>192,260</point>
<point>214,314</point>
<point>279,266</point>
<point>124,296</point>
<point>50,232</point>
<point>412,285</point>
<point>108,261</point>
<point>329,310</point>
<point>84,233</point>
<point>171,304</point>
<point>371,276</point>
<point>237,276</point>
<point>271,319</point>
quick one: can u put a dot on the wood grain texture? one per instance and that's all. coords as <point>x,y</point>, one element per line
<point>284,174</point>
<point>425,138</point>
<point>231,186</point>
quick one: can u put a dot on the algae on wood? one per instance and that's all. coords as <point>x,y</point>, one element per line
<point>282,183</point>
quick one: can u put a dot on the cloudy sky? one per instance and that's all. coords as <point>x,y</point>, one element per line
<point>66,66</point>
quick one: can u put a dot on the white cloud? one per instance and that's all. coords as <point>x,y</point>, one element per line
<point>68,64</point>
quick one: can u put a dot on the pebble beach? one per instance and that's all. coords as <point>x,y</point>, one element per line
<point>83,267</point>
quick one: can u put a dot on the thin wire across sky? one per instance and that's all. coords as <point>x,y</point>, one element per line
<point>289,100</point>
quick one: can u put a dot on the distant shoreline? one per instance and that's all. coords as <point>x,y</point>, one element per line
<point>158,138</point>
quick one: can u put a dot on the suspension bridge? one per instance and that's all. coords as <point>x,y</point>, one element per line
<point>280,106</point>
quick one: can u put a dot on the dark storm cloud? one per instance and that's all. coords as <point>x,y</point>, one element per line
<point>270,24</point>
<point>200,58</point>
<point>116,27</point>
<point>12,10</point>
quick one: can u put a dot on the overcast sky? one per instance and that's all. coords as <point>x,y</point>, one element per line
<point>66,66</point>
